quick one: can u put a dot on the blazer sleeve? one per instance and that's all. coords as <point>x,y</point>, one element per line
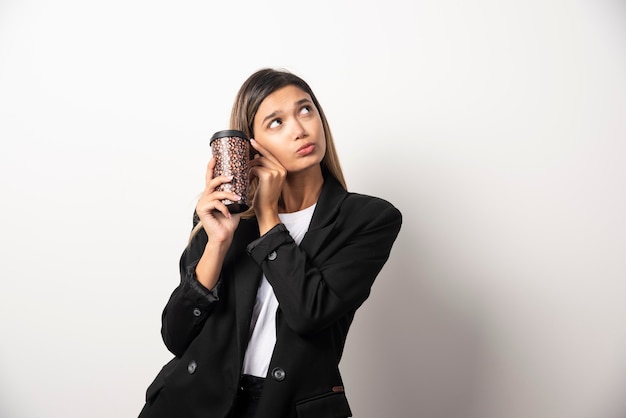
<point>312,294</point>
<point>190,303</point>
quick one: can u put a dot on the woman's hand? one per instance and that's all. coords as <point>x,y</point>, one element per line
<point>218,223</point>
<point>271,175</point>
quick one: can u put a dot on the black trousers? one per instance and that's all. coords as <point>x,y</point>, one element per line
<point>248,395</point>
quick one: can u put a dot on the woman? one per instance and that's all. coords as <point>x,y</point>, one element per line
<point>259,320</point>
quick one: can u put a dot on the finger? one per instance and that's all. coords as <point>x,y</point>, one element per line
<point>261,170</point>
<point>209,171</point>
<point>212,208</point>
<point>254,172</point>
<point>267,162</point>
<point>220,195</point>
<point>215,182</point>
<point>256,160</point>
<point>259,161</point>
<point>221,208</point>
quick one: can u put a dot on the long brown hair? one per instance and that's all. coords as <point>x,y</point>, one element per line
<point>250,96</point>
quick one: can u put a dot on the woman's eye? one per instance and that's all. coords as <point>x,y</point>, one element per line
<point>305,110</point>
<point>275,123</point>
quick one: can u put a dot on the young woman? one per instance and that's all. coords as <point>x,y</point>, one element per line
<point>260,317</point>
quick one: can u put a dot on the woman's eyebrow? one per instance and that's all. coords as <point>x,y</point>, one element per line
<point>302,101</point>
<point>277,112</point>
<point>270,116</point>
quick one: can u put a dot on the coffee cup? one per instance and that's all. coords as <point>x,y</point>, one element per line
<point>231,149</point>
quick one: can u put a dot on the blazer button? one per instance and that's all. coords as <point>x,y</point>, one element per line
<point>191,368</point>
<point>197,312</point>
<point>278,374</point>
<point>272,256</point>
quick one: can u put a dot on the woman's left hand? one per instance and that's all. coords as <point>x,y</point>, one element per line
<point>271,175</point>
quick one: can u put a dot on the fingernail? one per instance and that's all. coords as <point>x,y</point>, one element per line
<point>237,197</point>
<point>252,140</point>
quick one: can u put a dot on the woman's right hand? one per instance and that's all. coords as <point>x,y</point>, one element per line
<point>218,223</point>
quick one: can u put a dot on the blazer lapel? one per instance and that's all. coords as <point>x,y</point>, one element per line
<point>325,213</point>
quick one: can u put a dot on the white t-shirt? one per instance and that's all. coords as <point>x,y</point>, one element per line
<point>263,324</point>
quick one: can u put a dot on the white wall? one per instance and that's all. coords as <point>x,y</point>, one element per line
<point>498,128</point>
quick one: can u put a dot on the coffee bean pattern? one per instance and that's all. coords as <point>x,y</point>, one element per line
<point>232,156</point>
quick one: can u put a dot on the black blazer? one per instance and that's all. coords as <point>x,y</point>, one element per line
<point>319,285</point>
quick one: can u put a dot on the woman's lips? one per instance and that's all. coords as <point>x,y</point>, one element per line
<point>306,149</point>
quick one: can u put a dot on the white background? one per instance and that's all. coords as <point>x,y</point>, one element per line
<point>498,128</point>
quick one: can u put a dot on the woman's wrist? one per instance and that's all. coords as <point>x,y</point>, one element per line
<point>210,264</point>
<point>267,222</point>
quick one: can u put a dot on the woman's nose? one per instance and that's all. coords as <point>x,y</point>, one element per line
<point>298,130</point>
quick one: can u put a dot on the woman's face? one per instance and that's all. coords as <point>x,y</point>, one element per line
<point>289,126</point>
